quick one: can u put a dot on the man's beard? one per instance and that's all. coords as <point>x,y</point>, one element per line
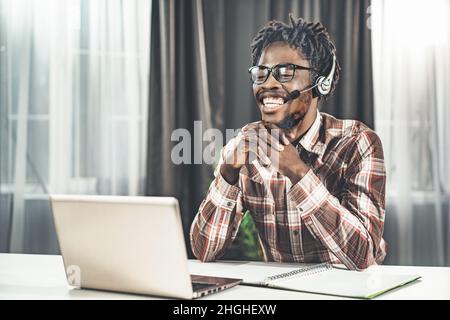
<point>290,122</point>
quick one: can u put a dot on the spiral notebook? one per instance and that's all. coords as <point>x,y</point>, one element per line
<point>321,278</point>
<point>326,279</point>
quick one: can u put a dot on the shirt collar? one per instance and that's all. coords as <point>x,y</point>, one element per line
<point>310,140</point>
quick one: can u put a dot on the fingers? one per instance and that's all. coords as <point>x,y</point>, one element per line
<point>263,157</point>
<point>264,151</point>
<point>251,126</point>
<point>268,144</point>
<point>260,140</point>
<point>246,150</point>
<point>271,139</point>
<point>279,133</point>
<point>256,150</point>
<point>284,139</point>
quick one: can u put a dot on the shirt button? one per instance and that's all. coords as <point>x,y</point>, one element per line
<point>229,203</point>
<point>300,209</point>
<point>295,232</point>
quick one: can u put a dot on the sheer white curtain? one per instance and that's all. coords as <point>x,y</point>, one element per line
<point>74,107</point>
<point>411,66</point>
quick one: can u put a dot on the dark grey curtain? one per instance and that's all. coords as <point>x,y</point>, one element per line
<point>346,22</point>
<point>178,96</point>
<point>223,29</point>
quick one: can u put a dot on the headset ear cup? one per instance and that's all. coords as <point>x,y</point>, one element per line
<point>317,91</point>
<point>323,84</point>
<point>324,87</point>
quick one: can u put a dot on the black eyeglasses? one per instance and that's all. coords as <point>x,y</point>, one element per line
<point>281,72</point>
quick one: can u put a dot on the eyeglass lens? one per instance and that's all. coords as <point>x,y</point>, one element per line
<point>281,73</point>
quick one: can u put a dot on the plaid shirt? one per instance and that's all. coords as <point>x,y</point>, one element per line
<point>335,213</point>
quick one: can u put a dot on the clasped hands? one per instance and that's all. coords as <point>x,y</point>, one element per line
<point>267,143</point>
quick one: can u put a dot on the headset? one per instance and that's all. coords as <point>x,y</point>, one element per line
<point>322,85</point>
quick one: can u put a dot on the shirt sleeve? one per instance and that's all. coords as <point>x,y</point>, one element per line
<point>217,221</point>
<point>351,227</point>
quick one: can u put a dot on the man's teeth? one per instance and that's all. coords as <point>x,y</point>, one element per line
<point>273,102</point>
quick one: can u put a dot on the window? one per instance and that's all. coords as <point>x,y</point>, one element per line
<point>73,102</point>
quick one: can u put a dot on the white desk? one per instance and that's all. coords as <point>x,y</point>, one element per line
<point>42,277</point>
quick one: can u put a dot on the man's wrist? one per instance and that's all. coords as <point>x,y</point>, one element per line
<point>296,173</point>
<point>229,173</point>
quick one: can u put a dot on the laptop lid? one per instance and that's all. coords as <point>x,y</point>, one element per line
<point>121,243</point>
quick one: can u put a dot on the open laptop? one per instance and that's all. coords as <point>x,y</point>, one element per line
<point>128,244</point>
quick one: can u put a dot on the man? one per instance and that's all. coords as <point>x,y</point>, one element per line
<point>324,200</point>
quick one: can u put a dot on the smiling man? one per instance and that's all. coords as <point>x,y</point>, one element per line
<point>323,199</point>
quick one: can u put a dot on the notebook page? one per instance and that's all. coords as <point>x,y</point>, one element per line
<point>250,272</point>
<point>345,283</point>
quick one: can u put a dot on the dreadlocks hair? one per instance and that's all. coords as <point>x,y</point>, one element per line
<point>311,38</point>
